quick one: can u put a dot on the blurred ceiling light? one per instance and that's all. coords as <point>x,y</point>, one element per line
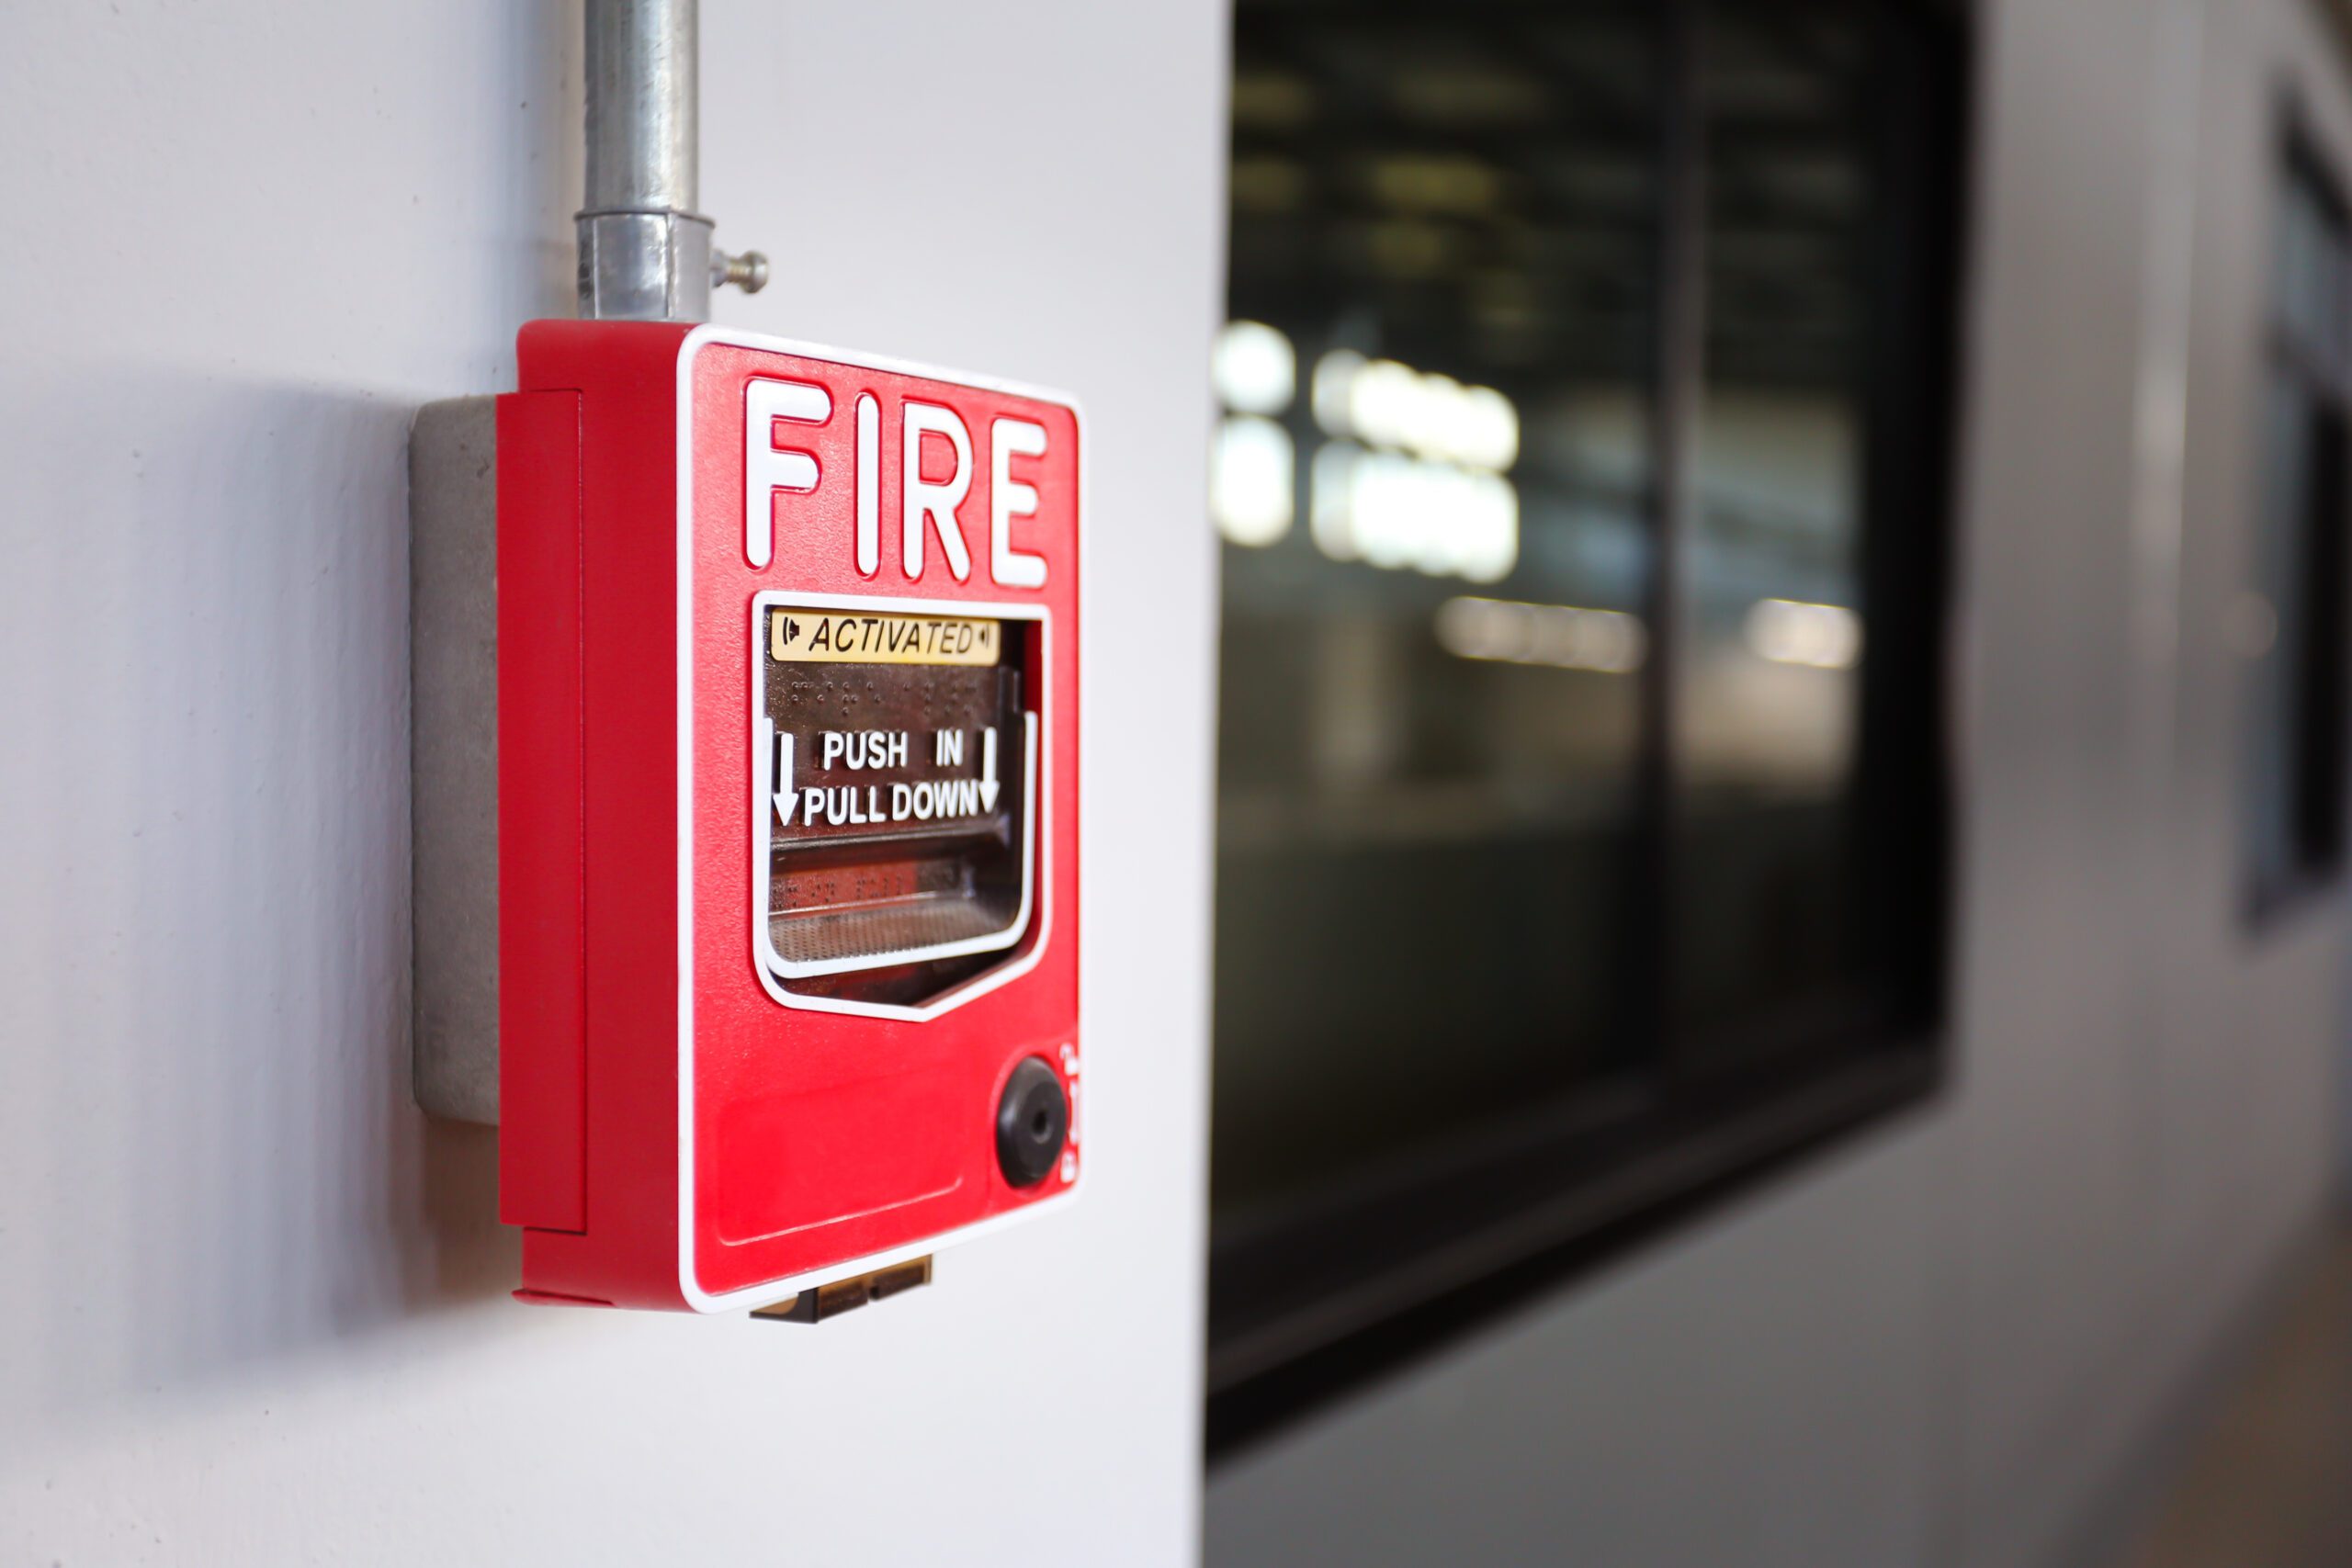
<point>1334,382</point>
<point>1504,303</point>
<point>1397,512</point>
<point>1565,636</point>
<point>1408,248</point>
<point>1267,184</point>
<point>1469,93</point>
<point>1251,466</point>
<point>1423,183</point>
<point>1485,433</point>
<point>1273,99</point>
<point>1820,637</point>
<point>1253,367</point>
<point>1384,403</point>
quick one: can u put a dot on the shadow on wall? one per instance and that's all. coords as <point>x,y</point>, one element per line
<point>214,959</point>
<point>209,1157</point>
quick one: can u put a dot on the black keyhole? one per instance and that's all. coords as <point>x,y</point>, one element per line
<point>1032,1122</point>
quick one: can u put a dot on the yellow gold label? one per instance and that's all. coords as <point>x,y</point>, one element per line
<point>833,637</point>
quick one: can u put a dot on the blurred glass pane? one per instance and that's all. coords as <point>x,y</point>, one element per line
<point>1431,666</point>
<point>2311,301</point>
<point>2288,626</point>
<point>1774,630</point>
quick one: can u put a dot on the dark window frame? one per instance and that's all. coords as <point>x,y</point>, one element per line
<point>1534,1206</point>
<point>2320,724</point>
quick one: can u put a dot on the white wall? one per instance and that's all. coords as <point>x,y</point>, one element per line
<point>1960,1339</point>
<point>252,1307</point>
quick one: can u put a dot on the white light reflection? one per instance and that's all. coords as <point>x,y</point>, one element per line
<point>1392,510</point>
<point>1788,631</point>
<point>1253,368</point>
<point>1382,403</point>
<point>1334,383</point>
<point>1415,477</point>
<point>1566,636</point>
<point>1250,465</point>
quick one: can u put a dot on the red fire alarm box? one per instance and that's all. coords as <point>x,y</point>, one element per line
<point>786,760</point>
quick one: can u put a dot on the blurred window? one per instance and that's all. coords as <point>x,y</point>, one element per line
<point>2291,625</point>
<point>1580,478</point>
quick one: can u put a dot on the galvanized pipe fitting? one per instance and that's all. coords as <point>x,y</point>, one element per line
<point>645,251</point>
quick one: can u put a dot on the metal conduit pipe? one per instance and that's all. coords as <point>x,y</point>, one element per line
<point>645,251</point>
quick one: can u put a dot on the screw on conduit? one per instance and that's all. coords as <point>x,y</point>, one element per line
<point>748,272</point>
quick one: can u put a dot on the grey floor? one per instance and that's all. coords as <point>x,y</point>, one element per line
<point>2270,1484</point>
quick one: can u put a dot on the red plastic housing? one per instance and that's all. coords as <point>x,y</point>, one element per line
<point>680,1128</point>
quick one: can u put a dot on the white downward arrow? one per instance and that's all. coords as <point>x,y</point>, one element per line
<point>988,769</point>
<point>788,799</point>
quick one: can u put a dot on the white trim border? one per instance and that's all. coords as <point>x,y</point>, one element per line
<point>1038,873</point>
<point>768,1292</point>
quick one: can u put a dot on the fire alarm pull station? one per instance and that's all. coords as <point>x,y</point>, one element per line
<point>752,669</point>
